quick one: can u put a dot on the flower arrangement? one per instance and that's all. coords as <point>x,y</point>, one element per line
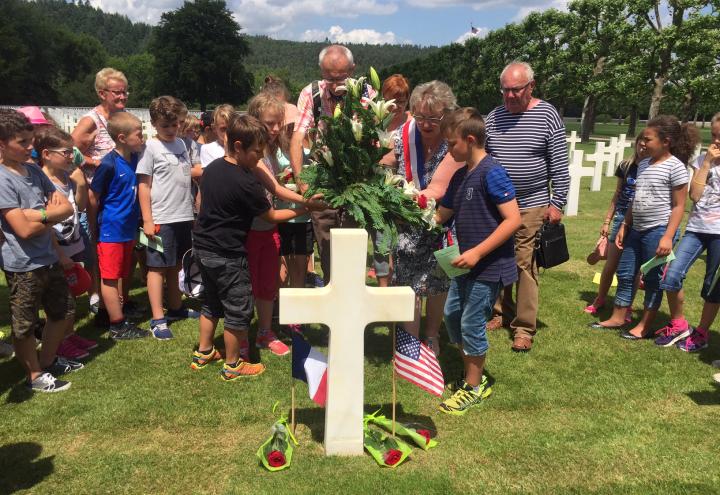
<point>418,434</point>
<point>386,450</point>
<point>277,451</point>
<point>345,164</point>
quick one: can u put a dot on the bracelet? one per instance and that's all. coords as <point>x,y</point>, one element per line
<point>43,214</point>
<point>606,222</point>
<point>701,183</point>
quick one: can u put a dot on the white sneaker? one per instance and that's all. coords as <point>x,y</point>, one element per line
<point>48,383</point>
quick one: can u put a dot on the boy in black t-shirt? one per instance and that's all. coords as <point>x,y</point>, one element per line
<point>230,197</point>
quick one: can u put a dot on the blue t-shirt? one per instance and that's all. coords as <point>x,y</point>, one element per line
<point>628,173</point>
<point>473,196</point>
<point>115,184</point>
<point>29,192</point>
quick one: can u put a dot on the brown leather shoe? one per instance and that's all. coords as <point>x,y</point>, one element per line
<point>495,323</point>
<point>522,343</point>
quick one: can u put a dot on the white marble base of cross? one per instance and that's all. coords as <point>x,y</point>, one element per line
<point>598,158</point>
<point>346,305</point>
<point>577,172</point>
<point>573,140</point>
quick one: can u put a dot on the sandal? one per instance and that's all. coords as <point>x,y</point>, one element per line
<point>596,306</point>
<point>522,343</point>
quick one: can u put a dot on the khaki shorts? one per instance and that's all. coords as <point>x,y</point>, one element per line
<point>44,287</point>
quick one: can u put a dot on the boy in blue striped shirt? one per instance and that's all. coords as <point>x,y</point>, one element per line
<point>482,199</point>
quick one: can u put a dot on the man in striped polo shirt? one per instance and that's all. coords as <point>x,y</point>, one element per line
<point>527,136</point>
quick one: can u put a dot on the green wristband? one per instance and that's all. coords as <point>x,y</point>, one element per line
<point>43,213</point>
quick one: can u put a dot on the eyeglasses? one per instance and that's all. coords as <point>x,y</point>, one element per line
<point>433,121</point>
<point>335,80</point>
<point>118,92</point>
<point>517,90</point>
<point>67,153</point>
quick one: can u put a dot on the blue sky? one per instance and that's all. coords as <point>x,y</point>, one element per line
<point>424,22</point>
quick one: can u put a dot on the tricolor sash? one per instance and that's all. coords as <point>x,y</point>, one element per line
<point>413,155</point>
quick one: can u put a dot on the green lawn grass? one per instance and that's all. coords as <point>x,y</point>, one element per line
<point>584,412</point>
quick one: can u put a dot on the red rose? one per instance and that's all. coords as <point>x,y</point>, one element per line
<point>426,434</point>
<point>422,201</point>
<point>276,458</point>
<point>392,457</point>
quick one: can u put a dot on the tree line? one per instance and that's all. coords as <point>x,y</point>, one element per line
<point>626,59</point>
<point>51,49</point>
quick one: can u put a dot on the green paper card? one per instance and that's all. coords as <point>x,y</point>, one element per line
<point>154,243</point>
<point>655,261</point>
<point>445,258</point>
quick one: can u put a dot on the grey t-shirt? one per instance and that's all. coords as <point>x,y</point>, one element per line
<point>32,191</point>
<point>169,165</point>
<point>653,192</point>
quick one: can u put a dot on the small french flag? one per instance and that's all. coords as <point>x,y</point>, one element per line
<point>310,366</point>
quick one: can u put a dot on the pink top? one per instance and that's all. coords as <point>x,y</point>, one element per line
<point>103,143</point>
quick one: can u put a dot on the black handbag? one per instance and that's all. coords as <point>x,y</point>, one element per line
<point>551,245</point>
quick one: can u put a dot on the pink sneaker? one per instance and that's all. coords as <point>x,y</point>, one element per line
<point>596,306</point>
<point>269,340</point>
<point>295,328</point>
<point>82,342</point>
<point>68,350</point>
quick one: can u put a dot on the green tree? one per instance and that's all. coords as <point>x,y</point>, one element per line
<point>140,72</point>
<point>199,52</point>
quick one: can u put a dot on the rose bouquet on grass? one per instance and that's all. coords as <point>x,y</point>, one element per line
<point>345,164</point>
<point>419,434</point>
<point>387,451</point>
<point>276,453</point>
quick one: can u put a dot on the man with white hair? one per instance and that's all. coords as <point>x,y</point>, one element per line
<point>317,99</point>
<point>527,136</point>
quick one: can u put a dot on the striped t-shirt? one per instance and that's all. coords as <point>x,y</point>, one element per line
<point>531,146</point>
<point>653,192</point>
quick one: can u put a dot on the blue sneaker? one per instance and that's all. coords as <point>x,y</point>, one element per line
<point>181,314</point>
<point>160,330</point>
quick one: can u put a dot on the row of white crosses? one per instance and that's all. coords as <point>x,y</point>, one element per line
<point>606,154</point>
<point>68,117</point>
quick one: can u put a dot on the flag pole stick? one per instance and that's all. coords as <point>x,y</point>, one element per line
<point>394,390</point>
<point>292,406</point>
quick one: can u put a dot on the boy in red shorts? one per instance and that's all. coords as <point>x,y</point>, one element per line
<point>114,214</point>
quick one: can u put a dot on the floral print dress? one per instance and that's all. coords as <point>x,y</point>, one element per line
<point>414,263</point>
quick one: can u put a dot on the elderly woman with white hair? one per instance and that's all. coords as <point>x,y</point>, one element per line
<point>91,137</point>
<point>421,157</point>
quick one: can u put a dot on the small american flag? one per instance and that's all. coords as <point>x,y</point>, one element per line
<point>415,362</point>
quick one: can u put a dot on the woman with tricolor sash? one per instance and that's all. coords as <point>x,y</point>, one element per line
<point>421,157</point>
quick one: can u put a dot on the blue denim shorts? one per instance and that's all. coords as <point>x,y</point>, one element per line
<point>688,250</point>
<point>618,218</point>
<point>468,308</point>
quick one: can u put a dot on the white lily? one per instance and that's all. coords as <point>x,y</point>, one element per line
<point>385,138</point>
<point>381,108</point>
<point>410,190</point>
<point>357,129</point>
<point>374,79</point>
<point>327,155</point>
<point>428,214</point>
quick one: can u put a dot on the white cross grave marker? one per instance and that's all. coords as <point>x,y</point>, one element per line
<point>346,305</point>
<point>599,157</point>
<point>577,172</point>
<point>572,140</point>
<point>611,152</point>
<point>621,145</point>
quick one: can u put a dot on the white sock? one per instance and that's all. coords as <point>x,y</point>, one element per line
<point>94,298</point>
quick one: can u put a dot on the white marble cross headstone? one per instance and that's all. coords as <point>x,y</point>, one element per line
<point>611,152</point>
<point>577,172</point>
<point>599,158</point>
<point>572,141</point>
<point>621,145</point>
<point>346,305</point>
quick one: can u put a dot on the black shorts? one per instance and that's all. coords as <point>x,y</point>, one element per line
<point>44,287</point>
<point>176,240</point>
<point>228,292</point>
<point>296,238</point>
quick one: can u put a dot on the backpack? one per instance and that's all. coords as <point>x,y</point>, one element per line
<point>189,277</point>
